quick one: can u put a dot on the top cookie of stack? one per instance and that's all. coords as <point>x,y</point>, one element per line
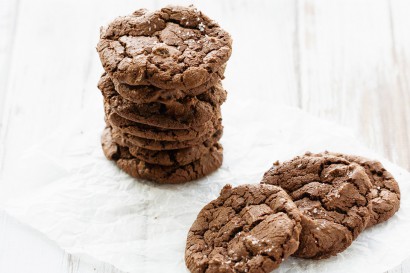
<point>162,93</point>
<point>173,48</point>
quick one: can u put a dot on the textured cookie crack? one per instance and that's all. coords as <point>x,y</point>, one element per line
<point>168,49</point>
<point>329,188</point>
<point>244,230</point>
<point>384,197</point>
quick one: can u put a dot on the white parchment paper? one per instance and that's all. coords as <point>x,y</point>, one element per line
<point>71,193</point>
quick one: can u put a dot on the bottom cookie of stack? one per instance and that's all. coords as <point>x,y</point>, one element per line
<point>128,160</point>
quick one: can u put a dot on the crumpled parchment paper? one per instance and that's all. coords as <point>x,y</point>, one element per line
<point>77,198</point>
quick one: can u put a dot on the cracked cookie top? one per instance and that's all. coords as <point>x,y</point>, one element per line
<point>250,228</point>
<point>331,193</point>
<point>173,48</point>
<point>385,194</point>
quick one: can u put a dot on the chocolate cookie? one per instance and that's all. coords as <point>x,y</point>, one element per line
<point>151,132</point>
<point>184,113</point>
<point>385,194</point>
<point>157,145</point>
<point>250,228</point>
<point>331,193</point>
<point>215,96</point>
<point>161,174</point>
<point>173,48</point>
<point>150,93</point>
<point>175,157</point>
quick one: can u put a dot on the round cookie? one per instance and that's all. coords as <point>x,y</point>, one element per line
<point>161,174</point>
<point>175,157</point>
<point>250,228</point>
<point>157,133</point>
<point>151,132</point>
<point>157,145</point>
<point>173,48</point>
<point>184,113</point>
<point>384,197</point>
<point>178,157</point>
<point>147,93</point>
<point>150,93</point>
<point>330,192</point>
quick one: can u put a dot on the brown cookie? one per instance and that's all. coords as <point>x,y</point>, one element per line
<point>175,157</point>
<point>157,133</point>
<point>158,145</point>
<point>330,192</point>
<point>250,228</point>
<point>151,132</point>
<point>384,197</point>
<point>150,93</point>
<point>184,113</point>
<point>173,48</point>
<point>161,174</point>
<point>215,96</point>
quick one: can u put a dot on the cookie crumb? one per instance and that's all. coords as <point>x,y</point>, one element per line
<point>201,26</point>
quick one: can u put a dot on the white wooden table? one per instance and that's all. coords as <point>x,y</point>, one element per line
<point>347,61</point>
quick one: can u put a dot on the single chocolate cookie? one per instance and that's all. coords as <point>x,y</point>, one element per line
<point>184,113</point>
<point>173,48</point>
<point>157,133</point>
<point>151,132</point>
<point>175,157</point>
<point>157,145</point>
<point>150,93</point>
<point>178,157</point>
<point>331,193</point>
<point>384,197</point>
<point>250,228</point>
<point>161,174</point>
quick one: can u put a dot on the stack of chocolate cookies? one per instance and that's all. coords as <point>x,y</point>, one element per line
<point>163,94</point>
